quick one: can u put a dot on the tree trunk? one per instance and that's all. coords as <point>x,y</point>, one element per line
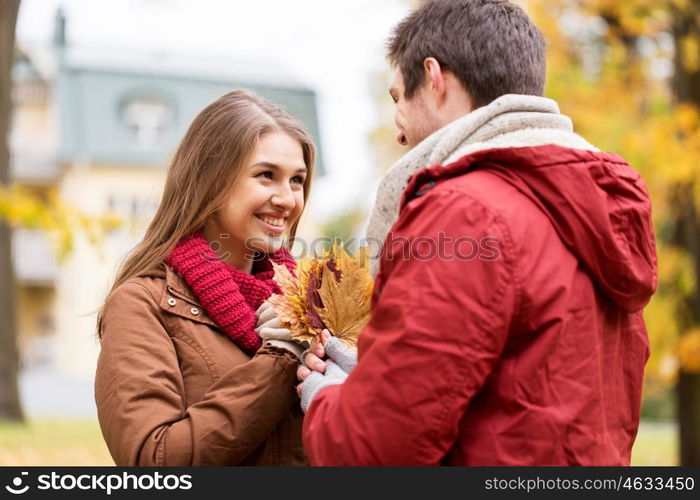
<point>689,417</point>
<point>686,87</point>
<point>10,408</point>
<point>686,80</point>
<point>687,236</point>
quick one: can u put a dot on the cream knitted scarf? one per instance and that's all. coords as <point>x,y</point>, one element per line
<point>509,121</point>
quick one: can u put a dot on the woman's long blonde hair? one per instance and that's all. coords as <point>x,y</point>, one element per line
<point>206,164</point>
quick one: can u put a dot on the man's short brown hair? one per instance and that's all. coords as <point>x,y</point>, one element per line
<point>490,45</point>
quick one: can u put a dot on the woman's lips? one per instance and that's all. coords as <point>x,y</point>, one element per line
<point>271,228</point>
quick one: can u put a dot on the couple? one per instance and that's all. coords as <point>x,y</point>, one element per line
<point>535,357</point>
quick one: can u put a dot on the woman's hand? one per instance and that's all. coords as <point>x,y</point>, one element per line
<point>273,333</point>
<point>268,326</point>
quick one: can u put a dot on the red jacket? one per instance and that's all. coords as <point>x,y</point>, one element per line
<point>525,348</point>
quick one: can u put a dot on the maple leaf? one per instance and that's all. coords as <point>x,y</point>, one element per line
<point>291,305</point>
<point>333,291</point>
<point>313,299</point>
<point>346,292</point>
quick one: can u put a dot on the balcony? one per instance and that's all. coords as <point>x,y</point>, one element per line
<point>34,168</point>
<point>35,263</point>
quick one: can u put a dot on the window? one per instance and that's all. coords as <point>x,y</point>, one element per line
<point>132,207</point>
<point>149,119</point>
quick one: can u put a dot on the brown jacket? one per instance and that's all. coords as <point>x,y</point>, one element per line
<point>173,389</point>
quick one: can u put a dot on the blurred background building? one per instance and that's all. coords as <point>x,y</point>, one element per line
<point>97,128</point>
<point>102,97</point>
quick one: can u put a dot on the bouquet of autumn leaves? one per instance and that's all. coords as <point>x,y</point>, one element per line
<point>332,291</point>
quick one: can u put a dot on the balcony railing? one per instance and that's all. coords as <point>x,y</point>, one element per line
<point>33,258</point>
<point>34,168</point>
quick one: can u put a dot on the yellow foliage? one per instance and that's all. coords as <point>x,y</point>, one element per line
<point>20,207</point>
<point>689,351</point>
<point>690,53</point>
<point>625,107</point>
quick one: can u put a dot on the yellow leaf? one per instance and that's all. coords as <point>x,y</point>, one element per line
<point>291,305</point>
<point>333,291</point>
<point>346,292</point>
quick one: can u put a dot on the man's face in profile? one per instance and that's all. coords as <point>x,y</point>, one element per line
<point>414,117</point>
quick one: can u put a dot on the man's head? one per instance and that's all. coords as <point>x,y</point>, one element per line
<point>453,56</point>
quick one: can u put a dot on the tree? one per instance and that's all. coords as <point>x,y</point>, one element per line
<point>20,207</point>
<point>629,75</point>
<point>10,408</point>
<point>685,27</point>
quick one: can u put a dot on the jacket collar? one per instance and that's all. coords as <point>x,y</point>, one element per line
<point>175,284</point>
<point>177,297</point>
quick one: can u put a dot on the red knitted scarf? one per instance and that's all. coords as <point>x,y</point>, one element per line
<point>229,296</point>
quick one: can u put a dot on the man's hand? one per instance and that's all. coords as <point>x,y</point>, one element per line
<point>313,359</point>
<point>316,374</point>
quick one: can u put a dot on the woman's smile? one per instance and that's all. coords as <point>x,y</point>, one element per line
<point>265,202</point>
<point>272,223</point>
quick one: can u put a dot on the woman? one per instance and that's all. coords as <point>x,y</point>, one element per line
<point>182,377</point>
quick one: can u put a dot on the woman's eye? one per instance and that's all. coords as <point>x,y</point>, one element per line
<point>266,174</point>
<point>298,179</point>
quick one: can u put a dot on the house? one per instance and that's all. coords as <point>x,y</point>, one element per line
<point>98,128</point>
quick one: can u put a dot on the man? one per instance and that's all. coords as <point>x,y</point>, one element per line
<point>507,323</point>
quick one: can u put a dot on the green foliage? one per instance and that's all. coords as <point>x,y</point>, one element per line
<point>659,405</point>
<point>342,228</point>
<point>345,225</point>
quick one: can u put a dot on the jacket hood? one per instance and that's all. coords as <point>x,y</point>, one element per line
<point>597,203</point>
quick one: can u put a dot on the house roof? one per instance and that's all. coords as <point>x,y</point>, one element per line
<point>95,87</point>
<point>189,66</point>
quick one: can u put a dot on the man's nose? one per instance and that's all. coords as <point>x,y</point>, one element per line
<point>401,138</point>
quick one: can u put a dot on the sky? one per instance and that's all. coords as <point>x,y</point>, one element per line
<point>331,46</point>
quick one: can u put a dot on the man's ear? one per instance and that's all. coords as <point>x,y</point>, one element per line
<point>435,79</point>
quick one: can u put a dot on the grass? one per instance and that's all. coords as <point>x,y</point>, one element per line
<point>656,444</point>
<point>53,442</point>
<point>79,442</point>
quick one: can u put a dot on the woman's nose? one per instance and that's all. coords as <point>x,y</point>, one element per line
<point>284,197</point>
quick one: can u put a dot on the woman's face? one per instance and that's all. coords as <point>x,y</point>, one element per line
<point>263,203</point>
